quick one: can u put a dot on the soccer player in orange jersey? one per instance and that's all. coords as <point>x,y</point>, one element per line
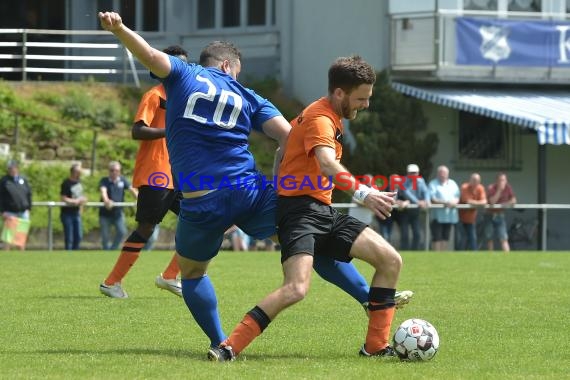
<point>309,227</point>
<point>153,178</point>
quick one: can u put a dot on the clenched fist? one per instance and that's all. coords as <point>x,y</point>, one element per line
<point>110,21</point>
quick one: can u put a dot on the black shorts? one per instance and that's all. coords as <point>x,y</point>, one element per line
<point>306,225</point>
<point>439,231</point>
<point>154,203</point>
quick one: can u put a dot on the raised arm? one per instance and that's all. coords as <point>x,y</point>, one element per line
<point>154,60</point>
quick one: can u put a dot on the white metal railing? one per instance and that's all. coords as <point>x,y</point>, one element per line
<point>541,207</point>
<point>88,63</point>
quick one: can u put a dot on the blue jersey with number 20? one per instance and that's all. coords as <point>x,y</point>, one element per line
<point>209,117</point>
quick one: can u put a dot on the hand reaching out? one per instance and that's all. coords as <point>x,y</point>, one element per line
<point>110,21</point>
<point>381,203</point>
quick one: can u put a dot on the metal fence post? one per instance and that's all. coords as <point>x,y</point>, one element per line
<point>544,230</point>
<point>50,227</point>
<point>24,55</point>
<point>427,232</point>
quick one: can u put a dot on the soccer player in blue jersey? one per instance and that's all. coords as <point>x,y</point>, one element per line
<point>209,117</point>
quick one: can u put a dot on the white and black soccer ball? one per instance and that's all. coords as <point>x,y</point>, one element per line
<point>416,340</point>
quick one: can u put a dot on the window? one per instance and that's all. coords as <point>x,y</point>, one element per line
<point>231,13</point>
<point>150,15</point>
<point>256,12</point>
<point>512,5</point>
<point>213,14</point>
<point>486,143</point>
<point>525,5</point>
<point>141,15</point>
<point>480,5</point>
<point>128,13</point>
<point>206,14</point>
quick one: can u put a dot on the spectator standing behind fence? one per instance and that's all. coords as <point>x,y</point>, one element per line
<point>113,190</point>
<point>72,194</point>
<point>415,192</point>
<point>238,238</point>
<point>386,226</point>
<point>498,193</point>
<point>472,193</point>
<point>15,198</point>
<point>443,191</point>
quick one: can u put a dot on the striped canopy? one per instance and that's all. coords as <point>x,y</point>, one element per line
<point>545,111</point>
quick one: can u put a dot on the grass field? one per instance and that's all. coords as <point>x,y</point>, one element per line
<point>498,316</point>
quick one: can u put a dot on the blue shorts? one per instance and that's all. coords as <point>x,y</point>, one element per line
<point>203,221</point>
<point>496,226</point>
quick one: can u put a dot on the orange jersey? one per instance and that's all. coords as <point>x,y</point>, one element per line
<point>152,156</point>
<point>300,172</point>
<point>468,193</point>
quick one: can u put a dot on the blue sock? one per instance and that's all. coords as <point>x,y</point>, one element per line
<point>200,297</point>
<point>344,275</point>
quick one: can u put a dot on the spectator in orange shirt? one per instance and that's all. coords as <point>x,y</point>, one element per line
<point>153,178</point>
<point>472,193</point>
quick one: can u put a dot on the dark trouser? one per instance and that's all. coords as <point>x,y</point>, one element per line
<point>72,230</point>
<point>105,222</point>
<point>468,237</point>
<point>410,218</point>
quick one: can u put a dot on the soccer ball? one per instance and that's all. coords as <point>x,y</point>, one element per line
<point>416,339</point>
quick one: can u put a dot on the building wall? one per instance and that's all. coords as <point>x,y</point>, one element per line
<point>314,33</point>
<point>399,6</point>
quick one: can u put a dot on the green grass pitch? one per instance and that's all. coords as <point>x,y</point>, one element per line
<point>499,316</point>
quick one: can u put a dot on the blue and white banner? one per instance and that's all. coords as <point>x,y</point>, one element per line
<point>512,43</point>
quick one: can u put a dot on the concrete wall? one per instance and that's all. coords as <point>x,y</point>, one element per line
<point>314,33</point>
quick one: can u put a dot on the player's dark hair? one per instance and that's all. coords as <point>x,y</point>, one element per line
<point>219,51</point>
<point>176,51</point>
<point>347,73</point>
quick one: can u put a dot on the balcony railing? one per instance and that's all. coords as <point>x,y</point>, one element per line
<point>423,46</point>
<point>71,55</point>
<point>63,54</point>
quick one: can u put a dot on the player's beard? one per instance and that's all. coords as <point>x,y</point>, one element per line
<point>347,112</point>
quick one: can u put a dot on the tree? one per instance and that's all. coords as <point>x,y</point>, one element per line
<point>390,135</point>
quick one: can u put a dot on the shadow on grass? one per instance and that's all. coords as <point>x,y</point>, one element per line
<point>162,352</point>
<point>115,351</point>
<point>87,297</point>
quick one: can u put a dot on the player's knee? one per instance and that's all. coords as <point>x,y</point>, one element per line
<point>388,260</point>
<point>295,292</point>
<point>190,269</point>
<point>145,230</point>
<point>395,261</point>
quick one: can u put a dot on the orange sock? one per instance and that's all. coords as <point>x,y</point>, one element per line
<point>379,324</point>
<point>126,260</point>
<point>244,333</point>
<point>172,269</point>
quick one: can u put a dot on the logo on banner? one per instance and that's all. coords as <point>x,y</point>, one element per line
<point>494,45</point>
<point>563,43</point>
